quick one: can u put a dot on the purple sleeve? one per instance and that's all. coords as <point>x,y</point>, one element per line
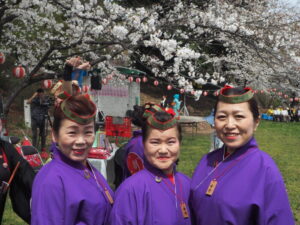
<point>47,204</point>
<point>277,209</point>
<point>130,207</point>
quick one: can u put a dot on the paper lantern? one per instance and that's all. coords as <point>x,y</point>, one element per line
<point>274,89</point>
<point>104,81</point>
<point>145,79</point>
<point>109,77</point>
<point>47,84</point>
<point>130,79</point>
<point>169,87</point>
<point>2,58</point>
<point>296,99</point>
<point>155,82</point>
<point>279,93</point>
<point>255,91</point>
<point>19,72</point>
<point>291,99</point>
<point>286,96</point>
<point>138,80</point>
<point>181,91</point>
<point>262,91</point>
<point>205,93</point>
<point>216,93</point>
<point>85,88</point>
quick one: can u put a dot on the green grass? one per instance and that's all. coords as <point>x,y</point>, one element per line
<point>280,140</point>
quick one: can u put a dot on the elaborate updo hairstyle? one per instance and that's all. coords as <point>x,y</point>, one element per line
<point>239,92</point>
<point>78,108</point>
<point>164,118</point>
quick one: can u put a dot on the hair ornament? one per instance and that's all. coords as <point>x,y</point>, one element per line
<point>74,116</point>
<point>235,98</point>
<point>154,123</point>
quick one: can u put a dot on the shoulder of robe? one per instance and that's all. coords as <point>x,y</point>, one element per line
<point>183,176</point>
<point>264,162</point>
<point>137,181</point>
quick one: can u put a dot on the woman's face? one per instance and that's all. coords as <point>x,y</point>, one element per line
<point>75,140</point>
<point>234,124</point>
<point>162,148</point>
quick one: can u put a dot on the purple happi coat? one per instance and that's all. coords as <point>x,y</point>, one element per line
<point>250,189</point>
<point>64,194</point>
<point>141,200</point>
<point>134,146</point>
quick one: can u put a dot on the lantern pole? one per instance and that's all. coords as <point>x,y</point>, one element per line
<point>184,108</point>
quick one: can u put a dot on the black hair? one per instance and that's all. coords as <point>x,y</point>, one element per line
<point>239,91</point>
<point>40,90</point>
<point>161,117</point>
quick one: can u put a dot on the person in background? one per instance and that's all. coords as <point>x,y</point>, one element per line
<point>68,189</point>
<point>163,102</point>
<point>39,111</point>
<point>176,104</point>
<point>158,194</point>
<point>18,184</point>
<point>238,183</point>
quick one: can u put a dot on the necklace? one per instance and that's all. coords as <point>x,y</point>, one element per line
<point>101,186</point>
<point>213,183</point>
<point>178,197</point>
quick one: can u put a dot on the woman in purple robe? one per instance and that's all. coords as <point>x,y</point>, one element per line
<point>69,190</point>
<point>238,184</point>
<point>158,194</point>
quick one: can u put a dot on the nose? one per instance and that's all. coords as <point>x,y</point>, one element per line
<point>163,149</point>
<point>230,123</point>
<point>80,140</point>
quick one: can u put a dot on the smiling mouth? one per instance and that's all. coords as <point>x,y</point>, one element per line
<point>163,158</point>
<point>78,151</point>
<point>231,136</point>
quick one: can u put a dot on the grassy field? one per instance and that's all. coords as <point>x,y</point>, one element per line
<point>280,140</point>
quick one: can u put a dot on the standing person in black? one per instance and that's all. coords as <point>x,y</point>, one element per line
<point>21,183</point>
<point>39,110</point>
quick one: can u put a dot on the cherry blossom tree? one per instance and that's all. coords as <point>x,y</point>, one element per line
<point>184,43</point>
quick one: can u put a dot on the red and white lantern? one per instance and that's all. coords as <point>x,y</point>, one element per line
<point>109,76</point>
<point>274,89</point>
<point>279,93</point>
<point>216,93</point>
<point>291,99</point>
<point>2,58</point>
<point>255,91</point>
<point>145,79</point>
<point>286,96</point>
<point>85,88</point>
<point>296,99</point>
<point>205,93</point>
<point>262,91</point>
<point>47,84</point>
<point>138,80</point>
<point>181,91</point>
<point>155,82</point>
<point>169,87</point>
<point>104,81</point>
<point>19,72</point>
<point>130,79</point>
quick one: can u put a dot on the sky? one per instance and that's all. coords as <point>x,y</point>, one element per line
<point>292,2</point>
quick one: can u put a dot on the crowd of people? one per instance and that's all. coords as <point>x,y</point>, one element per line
<point>283,114</point>
<point>234,184</point>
